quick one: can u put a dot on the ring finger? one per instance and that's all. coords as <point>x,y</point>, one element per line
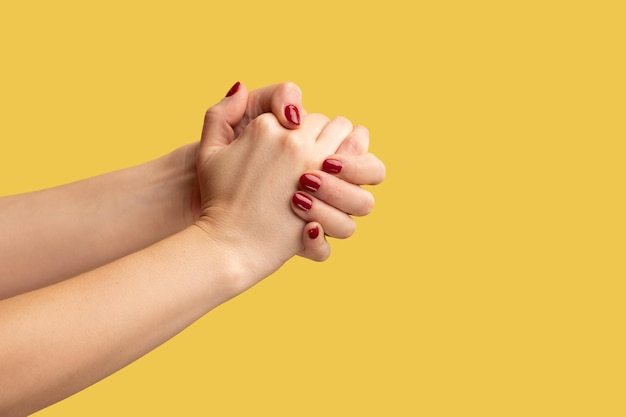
<point>336,223</point>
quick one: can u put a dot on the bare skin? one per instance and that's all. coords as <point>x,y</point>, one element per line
<point>61,338</point>
<point>51,235</point>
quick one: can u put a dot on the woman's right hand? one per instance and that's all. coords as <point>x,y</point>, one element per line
<point>332,194</point>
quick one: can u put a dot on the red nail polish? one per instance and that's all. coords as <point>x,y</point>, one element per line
<point>302,201</point>
<point>292,114</point>
<point>314,232</point>
<point>332,166</point>
<point>310,182</point>
<point>233,89</point>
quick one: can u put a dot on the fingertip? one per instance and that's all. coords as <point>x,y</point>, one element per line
<point>287,99</point>
<point>332,165</point>
<point>236,91</point>
<point>292,115</point>
<point>382,173</point>
<point>375,168</point>
<point>316,247</point>
<point>222,116</point>
<point>233,89</point>
<point>314,232</point>
<point>291,90</point>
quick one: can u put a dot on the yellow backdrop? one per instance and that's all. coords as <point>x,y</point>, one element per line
<point>488,281</point>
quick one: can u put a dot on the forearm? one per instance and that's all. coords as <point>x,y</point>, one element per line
<point>50,235</point>
<point>58,340</point>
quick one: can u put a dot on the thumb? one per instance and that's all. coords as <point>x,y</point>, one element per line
<point>219,120</point>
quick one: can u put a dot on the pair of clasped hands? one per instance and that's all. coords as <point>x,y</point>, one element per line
<point>122,262</point>
<point>260,150</point>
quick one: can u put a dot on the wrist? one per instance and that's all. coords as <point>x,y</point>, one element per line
<point>225,261</point>
<point>180,194</point>
<point>242,264</point>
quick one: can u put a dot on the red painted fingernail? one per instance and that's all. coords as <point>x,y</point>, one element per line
<point>314,232</point>
<point>302,202</point>
<point>310,182</point>
<point>292,114</point>
<point>332,166</point>
<point>233,89</point>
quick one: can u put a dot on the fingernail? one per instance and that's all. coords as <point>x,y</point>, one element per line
<point>332,166</point>
<point>302,202</point>
<point>314,232</point>
<point>233,89</point>
<point>310,182</point>
<point>292,114</point>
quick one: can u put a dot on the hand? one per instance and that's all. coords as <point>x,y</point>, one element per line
<point>245,184</point>
<point>283,100</point>
<point>334,193</point>
<point>340,195</point>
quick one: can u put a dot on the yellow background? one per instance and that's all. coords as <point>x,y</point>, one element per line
<point>488,281</point>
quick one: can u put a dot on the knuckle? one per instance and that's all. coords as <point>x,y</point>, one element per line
<point>343,121</point>
<point>362,133</point>
<point>211,115</point>
<point>359,140</point>
<point>353,146</point>
<point>294,142</point>
<point>264,122</point>
<point>319,118</point>
<point>362,130</point>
